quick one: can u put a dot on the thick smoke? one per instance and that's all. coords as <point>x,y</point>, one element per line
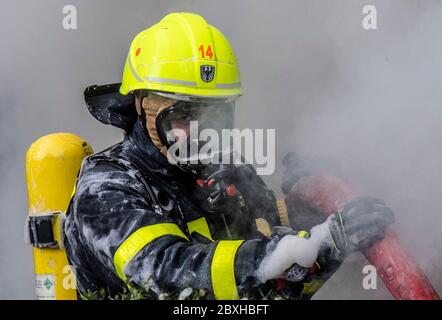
<point>366,99</point>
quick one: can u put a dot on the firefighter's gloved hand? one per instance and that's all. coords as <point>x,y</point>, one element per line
<point>357,226</point>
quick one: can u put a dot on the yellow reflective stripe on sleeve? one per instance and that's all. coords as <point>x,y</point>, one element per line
<point>223,270</point>
<point>200,225</point>
<point>138,240</point>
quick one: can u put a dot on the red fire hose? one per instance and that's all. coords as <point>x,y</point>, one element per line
<point>401,275</point>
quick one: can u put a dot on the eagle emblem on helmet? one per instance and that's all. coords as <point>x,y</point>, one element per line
<point>207,73</point>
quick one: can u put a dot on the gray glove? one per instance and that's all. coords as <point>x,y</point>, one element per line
<point>358,225</point>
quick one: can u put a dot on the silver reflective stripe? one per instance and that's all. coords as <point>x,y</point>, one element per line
<point>133,70</point>
<point>198,98</point>
<point>172,81</point>
<point>228,85</point>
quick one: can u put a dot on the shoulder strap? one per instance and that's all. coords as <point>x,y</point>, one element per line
<point>126,165</point>
<point>283,214</point>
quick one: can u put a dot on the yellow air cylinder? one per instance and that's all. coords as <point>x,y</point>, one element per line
<point>52,165</point>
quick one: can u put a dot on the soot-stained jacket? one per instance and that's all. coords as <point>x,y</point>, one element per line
<point>133,221</point>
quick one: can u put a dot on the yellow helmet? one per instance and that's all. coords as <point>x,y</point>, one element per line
<point>183,55</point>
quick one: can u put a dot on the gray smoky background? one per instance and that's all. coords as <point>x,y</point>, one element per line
<point>369,100</point>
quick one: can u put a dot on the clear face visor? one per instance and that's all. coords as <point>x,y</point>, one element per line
<point>192,131</point>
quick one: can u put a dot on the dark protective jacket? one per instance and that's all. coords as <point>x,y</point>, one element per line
<point>133,220</point>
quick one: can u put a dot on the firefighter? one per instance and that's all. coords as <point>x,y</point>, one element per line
<point>142,215</point>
